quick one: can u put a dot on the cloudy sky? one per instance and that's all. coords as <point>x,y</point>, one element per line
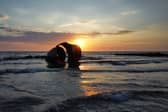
<point>39,25</point>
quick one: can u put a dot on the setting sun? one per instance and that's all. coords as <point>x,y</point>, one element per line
<point>79,42</point>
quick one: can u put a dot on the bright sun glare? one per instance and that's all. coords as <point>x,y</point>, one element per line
<point>79,42</point>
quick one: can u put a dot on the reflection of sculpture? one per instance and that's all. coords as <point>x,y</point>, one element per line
<point>64,53</point>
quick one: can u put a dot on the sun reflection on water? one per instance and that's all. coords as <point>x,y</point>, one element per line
<point>88,91</point>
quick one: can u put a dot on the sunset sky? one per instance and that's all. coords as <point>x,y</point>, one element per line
<point>109,25</point>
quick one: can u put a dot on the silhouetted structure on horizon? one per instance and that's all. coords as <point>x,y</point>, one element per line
<point>64,54</point>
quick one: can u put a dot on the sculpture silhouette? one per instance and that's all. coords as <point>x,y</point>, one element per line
<point>64,53</point>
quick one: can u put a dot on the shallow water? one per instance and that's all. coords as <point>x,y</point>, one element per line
<point>104,82</point>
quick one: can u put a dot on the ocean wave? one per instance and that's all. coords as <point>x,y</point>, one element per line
<point>147,54</point>
<point>127,62</point>
<point>22,57</point>
<point>92,58</point>
<point>116,63</point>
<point>89,60</point>
<point>35,70</point>
<point>20,71</point>
<point>124,100</point>
<point>114,101</point>
<point>8,86</point>
<point>20,63</point>
<point>42,57</point>
<point>129,70</point>
<point>21,104</point>
<point>126,85</point>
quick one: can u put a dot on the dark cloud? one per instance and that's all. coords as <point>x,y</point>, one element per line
<point>120,32</point>
<point>9,29</point>
<point>32,36</point>
<point>36,37</point>
<point>124,32</point>
<point>46,37</point>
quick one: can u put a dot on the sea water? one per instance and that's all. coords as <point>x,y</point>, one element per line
<point>104,82</point>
